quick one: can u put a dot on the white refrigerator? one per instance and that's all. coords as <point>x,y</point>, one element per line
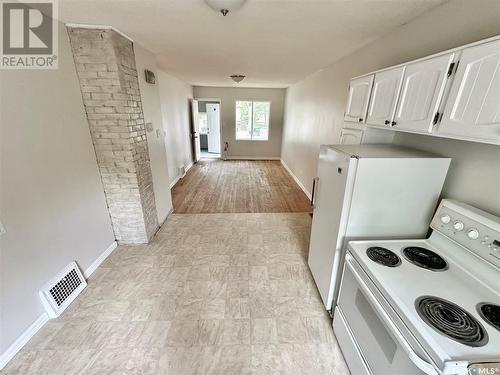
<point>368,191</point>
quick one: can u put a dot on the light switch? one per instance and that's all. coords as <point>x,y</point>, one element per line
<point>2,229</point>
<point>149,126</point>
<point>160,133</point>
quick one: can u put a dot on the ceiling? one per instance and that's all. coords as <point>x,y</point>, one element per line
<point>275,43</point>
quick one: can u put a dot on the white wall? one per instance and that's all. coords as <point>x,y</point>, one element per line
<point>175,106</point>
<point>314,107</point>
<point>228,97</point>
<point>151,104</point>
<point>51,199</point>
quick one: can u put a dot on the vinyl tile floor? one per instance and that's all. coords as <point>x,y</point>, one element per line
<point>212,294</point>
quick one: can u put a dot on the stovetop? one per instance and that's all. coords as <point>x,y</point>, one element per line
<point>383,256</point>
<point>440,296</point>
<point>424,258</point>
<point>452,321</point>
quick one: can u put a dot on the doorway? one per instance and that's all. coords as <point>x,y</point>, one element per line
<point>209,118</point>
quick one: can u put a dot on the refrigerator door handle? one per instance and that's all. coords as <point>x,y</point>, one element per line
<point>313,195</point>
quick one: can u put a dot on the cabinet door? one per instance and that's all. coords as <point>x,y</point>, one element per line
<point>473,107</point>
<point>357,101</point>
<point>351,137</point>
<point>421,92</point>
<point>386,87</point>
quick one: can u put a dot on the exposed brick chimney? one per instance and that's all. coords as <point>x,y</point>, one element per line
<point>105,63</point>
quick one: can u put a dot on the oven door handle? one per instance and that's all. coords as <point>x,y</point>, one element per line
<point>426,367</point>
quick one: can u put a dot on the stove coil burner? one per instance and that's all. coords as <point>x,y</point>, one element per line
<point>451,320</point>
<point>425,258</point>
<point>383,256</point>
<point>490,313</point>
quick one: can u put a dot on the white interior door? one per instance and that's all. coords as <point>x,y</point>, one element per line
<point>385,92</point>
<point>357,100</point>
<point>473,106</point>
<point>195,133</point>
<point>421,92</point>
<point>213,122</point>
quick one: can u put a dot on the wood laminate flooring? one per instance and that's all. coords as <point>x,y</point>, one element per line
<point>238,186</point>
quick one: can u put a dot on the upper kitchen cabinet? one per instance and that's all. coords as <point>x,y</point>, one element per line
<point>384,97</point>
<point>357,101</point>
<point>473,107</point>
<point>421,92</point>
<point>351,136</point>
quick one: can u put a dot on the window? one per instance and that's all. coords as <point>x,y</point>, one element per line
<point>252,120</point>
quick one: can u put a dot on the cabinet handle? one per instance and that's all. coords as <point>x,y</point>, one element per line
<point>387,122</point>
<point>315,181</point>
<point>360,120</point>
<point>393,123</point>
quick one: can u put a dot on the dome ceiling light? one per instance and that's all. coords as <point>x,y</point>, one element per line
<point>224,6</point>
<point>237,77</point>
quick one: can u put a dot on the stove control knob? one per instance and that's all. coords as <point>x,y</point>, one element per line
<point>445,219</point>
<point>473,234</point>
<point>458,225</point>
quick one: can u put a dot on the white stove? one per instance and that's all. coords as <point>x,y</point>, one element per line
<point>422,306</point>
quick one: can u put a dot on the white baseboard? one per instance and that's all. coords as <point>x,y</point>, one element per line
<point>295,178</point>
<point>22,340</point>
<point>42,319</point>
<point>90,270</point>
<point>166,217</point>
<point>162,221</point>
<point>176,180</point>
<point>253,158</point>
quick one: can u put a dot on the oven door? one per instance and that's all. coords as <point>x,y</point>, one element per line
<point>373,333</point>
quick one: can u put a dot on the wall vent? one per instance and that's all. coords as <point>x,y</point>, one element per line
<point>59,292</point>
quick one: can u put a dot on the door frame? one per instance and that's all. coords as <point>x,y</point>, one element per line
<point>195,131</point>
<point>221,126</point>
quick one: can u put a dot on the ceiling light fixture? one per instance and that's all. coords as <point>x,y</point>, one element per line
<point>224,6</point>
<point>237,77</point>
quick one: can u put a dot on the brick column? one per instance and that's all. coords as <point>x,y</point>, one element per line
<point>105,63</point>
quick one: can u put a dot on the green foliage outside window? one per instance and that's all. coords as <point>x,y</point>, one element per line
<point>252,120</point>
